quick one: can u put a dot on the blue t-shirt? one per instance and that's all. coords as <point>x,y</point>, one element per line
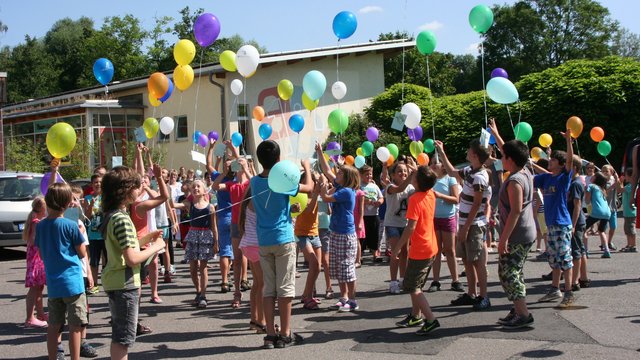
<point>576,191</point>
<point>599,206</point>
<point>627,211</point>
<point>342,216</point>
<point>224,201</point>
<point>444,210</point>
<point>57,239</point>
<point>554,192</point>
<point>273,217</point>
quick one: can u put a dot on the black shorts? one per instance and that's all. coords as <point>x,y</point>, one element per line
<point>96,250</point>
<point>602,223</point>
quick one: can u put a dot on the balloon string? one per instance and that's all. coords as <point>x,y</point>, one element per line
<point>484,90</point>
<point>338,62</point>
<point>578,149</point>
<point>433,120</point>
<point>511,121</point>
<point>233,106</point>
<point>195,118</point>
<point>113,137</point>
<point>402,81</point>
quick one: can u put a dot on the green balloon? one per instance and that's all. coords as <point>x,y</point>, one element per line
<point>338,121</point>
<point>393,149</point>
<point>481,18</point>
<point>523,131</point>
<point>604,148</point>
<point>426,42</point>
<point>429,145</point>
<point>367,148</point>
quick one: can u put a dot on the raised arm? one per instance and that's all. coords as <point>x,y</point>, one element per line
<point>634,176</point>
<point>451,170</point>
<point>138,163</point>
<point>54,172</point>
<point>384,175</point>
<point>210,167</point>
<point>158,200</point>
<point>496,134</point>
<point>307,185</point>
<point>568,163</point>
<point>324,165</point>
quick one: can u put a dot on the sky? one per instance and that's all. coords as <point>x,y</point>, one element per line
<point>283,25</point>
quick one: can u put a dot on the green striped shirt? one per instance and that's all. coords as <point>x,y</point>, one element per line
<point>120,235</point>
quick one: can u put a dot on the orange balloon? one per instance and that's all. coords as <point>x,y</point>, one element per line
<point>423,159</point>
<point>390,160</point>
<point>158,85</point>
<point>597,134</point>
<point>349,160</point>
<point>575,124</point>
<point>258,113</point>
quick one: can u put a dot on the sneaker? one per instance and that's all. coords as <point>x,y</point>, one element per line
<point>482,303</point>
<point>612,246</point>
<point>567,300</point>
<point>410,321</point>
<point>196,301</point>
<point>506,319</point>
<point>584,283</point>
<point>394,287</point>
<point>428,327</point>
<point>60,355</point>
<point>518,321</point>
<point>575,287</point>
<point>464,299</point>
<point>172,270</point>
<point>202,303</point>
<point>349,306</point>
<point>542,256</point>
<point>548,277</point>
<point>36,324</point>
<point>87,351</point>
<point>553,295</point>
<point>161,271</point>
<point>286,341</point>
<point>457,286</point>
<point>606,255</point>
<point>435,286</point>
<point>338,304</point>
<point>245,285</point>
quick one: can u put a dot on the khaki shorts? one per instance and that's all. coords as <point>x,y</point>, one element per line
<point>74,308</point>
<point>416,274</point>
<point>472,248</point>
<point>278,264</point>
<point>629,226</point>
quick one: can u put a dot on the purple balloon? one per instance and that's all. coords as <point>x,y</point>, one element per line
<point>44,183</point>
<point>203,140</point>
<point>415,134</point>
<point>213,135</point>
<point>206,29</point>
<point>499,72</point>
<point>333,148</point>
<point>372,134</point>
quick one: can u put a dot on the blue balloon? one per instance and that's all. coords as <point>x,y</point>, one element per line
<point>344,24</point>
<point>360,161</point>
<point>284,177</point>
<point>502,91</point>
<point>236,139</point>
<point>196,136</point>
<point>168,93</point>
<point>296,122</point>
<point>265,131</point>
<point>103,71</point>
<point>314,83</point>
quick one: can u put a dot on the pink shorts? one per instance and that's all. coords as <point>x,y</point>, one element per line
<point>446,224</point>
<point>252,253</point>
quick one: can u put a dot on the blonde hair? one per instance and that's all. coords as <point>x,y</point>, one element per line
<point>351,177</point>
<point>37,205</point>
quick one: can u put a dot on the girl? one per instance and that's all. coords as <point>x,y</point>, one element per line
<point>359,221</point>
<point>35,278</point>
<point>324,219</point>
<point>201,240</point>
<point>373,200</point>
<point>600,212</point>
<point>612,196</point>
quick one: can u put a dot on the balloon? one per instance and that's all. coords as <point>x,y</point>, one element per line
<point>166,96</point>
<point>502,91</point>
<point>151,127</point>
<point>166,125</point>
<point>285,89</point>
<point>61,139</point>
<point>390,160</point>
<point>415,134</point>
<point>247,60</point>
<point>360,161</point>
<point>499,72</point>
<point>103,70</point>
<point>604,148</point>
<point>206,29</point>
<point>203,140</point>
<point>302,199</point>
<point>284,177</point>
<point>481,18</point>
<point>359,152</point>
<point>575,124</point>
<point>413,114</point>
<point>236,139</point>
<point>183,76</point>
<point>236,87</point>
<point>536,153</point>
<point>383,154</point>
<point>426,42</point>
<point>333,148</point>
<point>349,160</point>
<point>597,134</point>
<point>184,51</point>
<point>308,103</point>
<point>338,90</point>
<point>338,121</point>
<point>153,101</point>
<point>314,83</point>
<point>213,135</point>
<point>423,159</point>
<point>228,60</point>
<point>372,134</point>
<point>523,131</point>
<point>415,148</point>
<point>367,148</point>
<point>296,123</point>
<point>158,84</point>
<point>265,131</point>
<point>429,145</point>
<point>196,136</point>
<point>545,140</point>
<point>393,150</point>
<point>344,24</point>
<point>258,113</point>
<point>44,183</point>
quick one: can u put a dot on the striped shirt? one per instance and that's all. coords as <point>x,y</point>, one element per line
<point>474,181</point>
<point>120,235</point>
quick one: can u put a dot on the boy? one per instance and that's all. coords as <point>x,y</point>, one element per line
<point>422,250</point>
<point>628,212</point>
<point>471,245</point>
<point>277,244</point>
<point>578,222</point>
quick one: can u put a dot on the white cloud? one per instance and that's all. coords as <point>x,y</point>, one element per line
<point>472,49</point>
<point>433,26</point>
<point>370,9</point>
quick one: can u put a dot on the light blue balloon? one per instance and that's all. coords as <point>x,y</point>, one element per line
<point>296,122</point>
<point>502,91</point>
<point>344,24</point>
<point>360,161</point>
<point>284,177</point>
<point>196,136</point>
<point>314,83</point>
<point>265,131</point>
<point>236,139</point>
<point>103,70</point>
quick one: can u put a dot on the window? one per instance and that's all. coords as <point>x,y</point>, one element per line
<point>182,127</point>
<point>164,138</point>
<point>115,120</point>
<point>24,128</point>
<point>134,120</point>
<point>243,111</point>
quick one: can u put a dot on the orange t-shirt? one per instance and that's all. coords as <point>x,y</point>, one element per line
<point>422,208</point>
<point>307,223</point>
<point>142,227</point>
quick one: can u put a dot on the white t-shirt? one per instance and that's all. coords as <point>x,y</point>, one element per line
<point>397,206</point>
<point>474,181</point>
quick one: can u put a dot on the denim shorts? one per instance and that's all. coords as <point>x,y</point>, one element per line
<point>325,237</point>
<point>123,305</point>
<point>313,240</point>
<point>613,220</point>
<point>393,231</point>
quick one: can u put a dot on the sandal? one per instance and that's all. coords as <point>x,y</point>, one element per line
<point>224,288</point>
<point>329,294</point>
<point>244,285</point>
<point>270,341</point>
<point>285,341</point>
<point>156,300</point>
<point>237,298</point>
<point>143,330</point>
<point>259,328</point>
<point>310,304</point>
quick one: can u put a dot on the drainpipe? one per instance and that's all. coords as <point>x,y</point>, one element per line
<point>222,104</point>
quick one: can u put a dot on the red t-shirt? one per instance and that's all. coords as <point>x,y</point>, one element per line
<point>422,208</point>
<point>236,192</point>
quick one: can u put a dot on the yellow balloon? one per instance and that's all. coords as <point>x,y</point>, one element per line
<point>183,76</point>
<point>308,103</point>
<point>285,89</point>
<point>415,148</point>
<point>575,124</point>
<point>301,199</point>
<point>153,101</point>
<point>359,152</point>
<point>228,60</point>
<point>184,52</point>
<point>61,139</point>
<point>537,153</point>
<point>150,127</point>
<point>545,140</point>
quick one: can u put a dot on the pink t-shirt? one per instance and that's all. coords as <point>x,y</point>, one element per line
<point>359,222</point>
<point>236,190</point>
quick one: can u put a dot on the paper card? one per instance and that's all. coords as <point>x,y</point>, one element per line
<point>140,135</point>
<point>485,136</point>
<point>198,157</point>
<point>498,165</point>
<point>398,121</point>
<point>235,166</point>
<point>116,161</point>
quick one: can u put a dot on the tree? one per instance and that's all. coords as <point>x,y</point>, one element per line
<point>22,155</point>
<point>30,74</point>
<point>626,44</point>
<point>159,53</point>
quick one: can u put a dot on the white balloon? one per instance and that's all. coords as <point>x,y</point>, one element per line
<point>338,90</point>
<point>236,87</point>
<point>166,125</point>
<point>383,154</point>
<point>247,60</point>
<point>412,111</point>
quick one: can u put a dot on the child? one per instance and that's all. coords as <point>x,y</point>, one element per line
<point>358,212</point>
<point>612,196</point>
<point>121,275</point>
<point>324,220</point>
<point>93,213</point>
<point>372,200</point>
<point>277,245</point>
<point>61,248</point>
<point>473,222</point>
<point>423,249</point>
<point>574,205</point>
<point>600,211</point>
<point>35,278</point>
<point>628,212</point>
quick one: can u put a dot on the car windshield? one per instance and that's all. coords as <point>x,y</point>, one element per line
<point>19,188</point>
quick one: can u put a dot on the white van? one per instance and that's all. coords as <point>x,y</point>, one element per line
<point>17,191</point>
